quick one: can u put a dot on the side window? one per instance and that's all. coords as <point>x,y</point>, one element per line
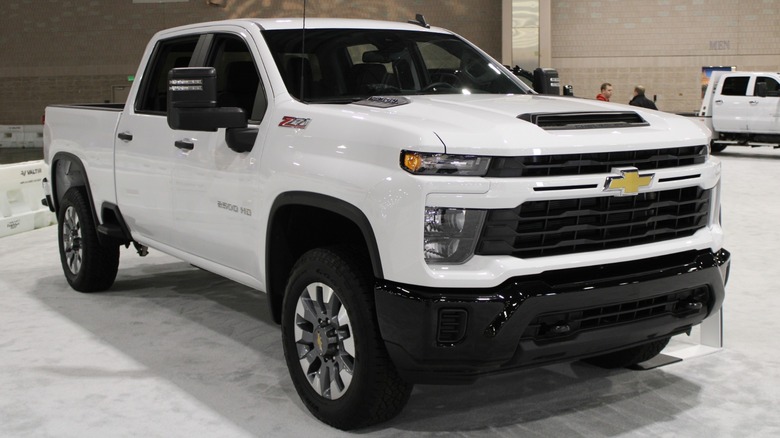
<point>735,86</point>
<point>772,86</point>
<point>167,55</point>
<point>238,82</point>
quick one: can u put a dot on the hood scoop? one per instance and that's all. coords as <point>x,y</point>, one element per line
<point>585,120</point>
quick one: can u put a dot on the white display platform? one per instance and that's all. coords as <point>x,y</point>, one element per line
<point>20,198</point>
<point>710,339</point>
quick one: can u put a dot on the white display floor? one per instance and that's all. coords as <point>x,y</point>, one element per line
<point>173,351</point>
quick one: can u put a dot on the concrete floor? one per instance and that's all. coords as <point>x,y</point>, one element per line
<point>172,351</point>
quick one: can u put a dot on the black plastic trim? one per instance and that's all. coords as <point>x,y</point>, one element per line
<point>276,261</point>
<point>335,205</point>
<point>123,232</point>
<point>55,183</point>
<point>498,317</point>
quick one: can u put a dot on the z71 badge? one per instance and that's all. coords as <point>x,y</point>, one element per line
<point>294,122</point>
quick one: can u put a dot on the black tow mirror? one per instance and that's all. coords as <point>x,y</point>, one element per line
<point>760,89</point>
<point>192,102</point>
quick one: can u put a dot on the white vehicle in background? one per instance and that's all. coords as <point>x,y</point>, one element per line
<point>415,213</point>
<point>742,108</point>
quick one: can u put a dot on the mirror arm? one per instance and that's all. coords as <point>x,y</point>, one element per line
<point>241,139</point>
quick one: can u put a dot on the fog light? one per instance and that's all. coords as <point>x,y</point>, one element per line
<point>451,234</point>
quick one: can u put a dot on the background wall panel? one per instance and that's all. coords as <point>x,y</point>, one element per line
<point>70,51</point>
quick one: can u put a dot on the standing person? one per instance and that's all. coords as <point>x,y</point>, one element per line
<point>606,92</point>
<point>640,99</point>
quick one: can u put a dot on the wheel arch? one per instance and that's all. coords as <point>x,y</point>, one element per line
<point>67,171</point>
<point>300,221</point>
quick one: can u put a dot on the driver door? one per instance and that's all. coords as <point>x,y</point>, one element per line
<point>216,191</point>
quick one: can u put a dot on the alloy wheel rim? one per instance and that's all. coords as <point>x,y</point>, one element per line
<point>323,338</point>
<point>71,239</point>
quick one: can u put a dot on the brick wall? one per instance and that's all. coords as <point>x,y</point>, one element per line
<point>661,44</point>
<point>70,51</point>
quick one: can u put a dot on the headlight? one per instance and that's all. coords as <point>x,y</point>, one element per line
<point>442,164</point>
<point>451,234</point>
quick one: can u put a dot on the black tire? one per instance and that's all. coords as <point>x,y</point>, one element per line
<point>88,265</point>
<point>629,356</point>
<point>717,148</point>
<point>330,299</point>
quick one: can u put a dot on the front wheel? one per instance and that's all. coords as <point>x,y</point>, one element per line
<point>335,355</point>
<point>717,148</point>
<point>89,266</point>
<point>629,356</point>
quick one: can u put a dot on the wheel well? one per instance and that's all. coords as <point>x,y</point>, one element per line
<point>67,172</point>
<point>294,229</point>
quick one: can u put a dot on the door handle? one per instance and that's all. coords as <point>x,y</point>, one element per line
<point>185,144</point>
<point>718,101</point>
<point>754,102</point>
<point>125,136</point>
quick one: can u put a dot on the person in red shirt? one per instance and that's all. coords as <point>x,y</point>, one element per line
<point>606,92</point>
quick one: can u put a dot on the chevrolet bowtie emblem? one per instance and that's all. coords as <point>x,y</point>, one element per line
<point>629,182</point>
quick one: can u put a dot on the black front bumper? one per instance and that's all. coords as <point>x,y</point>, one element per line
<point>454,335</point>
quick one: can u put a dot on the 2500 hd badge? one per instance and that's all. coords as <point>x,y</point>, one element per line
<point>234,208</point>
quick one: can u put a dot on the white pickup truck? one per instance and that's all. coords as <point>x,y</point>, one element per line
<point>412,210</point>
<point>742,108</point>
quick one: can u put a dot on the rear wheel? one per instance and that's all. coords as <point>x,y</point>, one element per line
<point>335,355</point>
<point>89,266</point>
<point>629,356</point>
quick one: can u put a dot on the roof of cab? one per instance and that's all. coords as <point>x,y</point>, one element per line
<point>313,23</point>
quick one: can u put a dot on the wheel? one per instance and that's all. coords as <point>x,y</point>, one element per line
<point>717,148</point>
<point>88,265</point>
<point>629,356</point>
<point>335,356</point>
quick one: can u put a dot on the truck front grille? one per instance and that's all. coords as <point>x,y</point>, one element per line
<point>569,226</point>
<point>558,326</point>
<point>590,163</point>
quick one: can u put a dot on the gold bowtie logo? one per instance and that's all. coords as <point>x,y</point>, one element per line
<point>629,182</point>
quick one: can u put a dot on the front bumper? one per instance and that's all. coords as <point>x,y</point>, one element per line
<point>454,335</point>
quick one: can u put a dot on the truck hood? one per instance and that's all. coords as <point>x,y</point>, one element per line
<point>491,125</point>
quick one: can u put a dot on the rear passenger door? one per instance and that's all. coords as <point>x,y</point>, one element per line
<point>144,147</point>
<point>216,191</point>
<point>730,111</point>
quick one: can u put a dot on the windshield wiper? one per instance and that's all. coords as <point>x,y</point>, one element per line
<point>335,100</point>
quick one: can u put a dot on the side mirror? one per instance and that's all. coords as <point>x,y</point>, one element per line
<point>192,102</point>
<point>760,89</point>
<point>546,81</point>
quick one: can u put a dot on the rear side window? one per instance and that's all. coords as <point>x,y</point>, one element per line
<point>167,55</point>
<point>735,86</point>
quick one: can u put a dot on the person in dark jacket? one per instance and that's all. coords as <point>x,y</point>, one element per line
<point>640,99</point>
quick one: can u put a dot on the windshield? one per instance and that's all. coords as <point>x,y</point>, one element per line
<point>346,65</point>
